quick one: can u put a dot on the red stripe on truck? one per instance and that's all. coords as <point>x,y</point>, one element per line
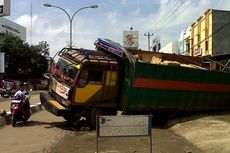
<point>179,85</point>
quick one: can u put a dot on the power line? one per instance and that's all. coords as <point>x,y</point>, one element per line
<point>170,13</point>
<point>177,15</point>
<point>166,14</point>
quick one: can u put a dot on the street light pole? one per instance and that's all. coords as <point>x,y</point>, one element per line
<point>70,18</point>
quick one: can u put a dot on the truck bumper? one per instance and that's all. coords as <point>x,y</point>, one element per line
<point>53,106</point>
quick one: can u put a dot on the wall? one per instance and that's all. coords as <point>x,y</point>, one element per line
<point>171,47</point>
<point>14,28</point>
<point>221,32</point>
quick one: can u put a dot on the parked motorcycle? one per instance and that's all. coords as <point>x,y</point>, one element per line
<point>20,110</point>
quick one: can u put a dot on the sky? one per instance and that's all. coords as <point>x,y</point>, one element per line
<point>163,18</point>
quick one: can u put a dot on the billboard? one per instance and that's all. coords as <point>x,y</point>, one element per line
<point>4,8</point>
<point>131,39</point>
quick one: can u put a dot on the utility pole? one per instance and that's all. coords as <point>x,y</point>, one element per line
<point>148,35</point>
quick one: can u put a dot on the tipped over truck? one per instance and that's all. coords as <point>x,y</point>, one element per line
<point>86,83</point>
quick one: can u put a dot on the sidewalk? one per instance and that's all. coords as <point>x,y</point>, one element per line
<point>35,106</point>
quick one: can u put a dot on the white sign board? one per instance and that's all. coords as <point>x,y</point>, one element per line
<point>128,125</point>
<point>124,126</point>
<point>4,8</point>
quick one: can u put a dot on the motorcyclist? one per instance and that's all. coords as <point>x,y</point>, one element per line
<point>20,94</point>
<point>23,95</point>
<point>20,106</point>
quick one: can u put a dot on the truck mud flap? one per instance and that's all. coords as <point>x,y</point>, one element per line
<point>52,105</point>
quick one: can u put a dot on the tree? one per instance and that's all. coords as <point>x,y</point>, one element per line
<point>23,61</point>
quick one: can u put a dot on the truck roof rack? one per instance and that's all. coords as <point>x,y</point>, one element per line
<point>82,55</point>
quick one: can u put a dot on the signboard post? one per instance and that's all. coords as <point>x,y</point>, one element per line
<point>124,126</point>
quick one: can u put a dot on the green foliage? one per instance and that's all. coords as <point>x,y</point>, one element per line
<point>23,61</point>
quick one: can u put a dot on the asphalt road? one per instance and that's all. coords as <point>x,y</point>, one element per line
<point>41,132</point>
<point>45,132</point>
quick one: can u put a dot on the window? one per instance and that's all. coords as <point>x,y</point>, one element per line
<point>86,76</point>
<point>95,75</point>
<point>65,72</point>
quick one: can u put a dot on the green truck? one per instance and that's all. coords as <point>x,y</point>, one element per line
<point>86,83</point>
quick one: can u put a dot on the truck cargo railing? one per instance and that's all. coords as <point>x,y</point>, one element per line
<point>77,56</point>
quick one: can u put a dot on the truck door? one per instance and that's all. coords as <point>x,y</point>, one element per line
<point>96,85</point>
<point>89,86</point>
<point>110,86</point>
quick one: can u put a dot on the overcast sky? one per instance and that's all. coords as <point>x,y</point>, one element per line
<point>164,18</point>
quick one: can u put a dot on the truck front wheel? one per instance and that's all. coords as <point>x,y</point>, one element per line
<point>67,117</point>
<point>91,118</point>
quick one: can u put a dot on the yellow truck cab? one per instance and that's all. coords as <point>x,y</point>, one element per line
<point>82,84</point>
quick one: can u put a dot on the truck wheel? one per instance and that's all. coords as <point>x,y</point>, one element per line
<point>2,95</point>
<point>73,120</point>
<point>67,117</point>
<point>92,117</point>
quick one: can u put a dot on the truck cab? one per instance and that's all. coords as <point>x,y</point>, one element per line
<point>83,83</point>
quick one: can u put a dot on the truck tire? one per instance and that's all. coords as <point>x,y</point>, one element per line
<point>92,116</point>
<point>68,118</point>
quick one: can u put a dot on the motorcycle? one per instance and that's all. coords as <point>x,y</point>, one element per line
<point>20,111</point>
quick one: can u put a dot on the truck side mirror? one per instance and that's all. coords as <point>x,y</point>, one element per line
<point>81,83</point>
<point>83,79</point>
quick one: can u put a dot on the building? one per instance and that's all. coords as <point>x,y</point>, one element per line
<point>12,27</point>
<point>210,34</point>
<point>209,37</point>
<point>184,41</point>
<point>171,48</point>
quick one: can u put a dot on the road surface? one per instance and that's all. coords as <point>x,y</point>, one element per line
<point>47,133</point>
<point>41,132</point>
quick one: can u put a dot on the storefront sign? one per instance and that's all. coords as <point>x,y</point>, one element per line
<point>197,52</point>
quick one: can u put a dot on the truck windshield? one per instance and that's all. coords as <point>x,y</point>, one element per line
<point>65,72</point>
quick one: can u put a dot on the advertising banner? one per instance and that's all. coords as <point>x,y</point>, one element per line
<point>131,39</point>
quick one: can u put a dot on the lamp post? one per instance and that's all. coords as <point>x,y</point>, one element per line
<point>70,18</point>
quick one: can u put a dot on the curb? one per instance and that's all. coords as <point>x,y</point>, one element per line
<point>7,119</point>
